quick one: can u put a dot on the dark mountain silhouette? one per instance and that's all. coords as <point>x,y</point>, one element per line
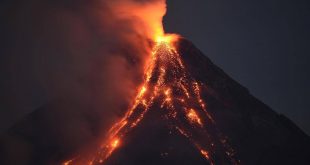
<point>257,134</point>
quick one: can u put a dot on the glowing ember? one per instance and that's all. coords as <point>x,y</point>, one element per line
<point>193,117</point>
<point>115,143</point>
<point>167,39</point>
<point>205,153</point>
<point>168,82</point>
<point>67,162</point>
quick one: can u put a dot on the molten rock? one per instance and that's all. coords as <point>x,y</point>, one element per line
<point>188,111</point>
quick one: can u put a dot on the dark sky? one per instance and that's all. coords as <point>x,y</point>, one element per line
<point>263,44</point>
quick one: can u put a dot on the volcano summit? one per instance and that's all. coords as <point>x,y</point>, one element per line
<point>187,111</point>
<point>168,87</point>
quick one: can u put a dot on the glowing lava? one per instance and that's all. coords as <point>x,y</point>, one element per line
<point>168,85</point>
<point>193,117</point>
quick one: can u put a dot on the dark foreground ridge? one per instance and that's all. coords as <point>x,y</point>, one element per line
<point>257,134</point>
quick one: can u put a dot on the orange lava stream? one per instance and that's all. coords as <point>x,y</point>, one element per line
<point>168,84</point>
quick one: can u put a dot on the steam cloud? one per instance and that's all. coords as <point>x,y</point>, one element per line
<point>86,57</point>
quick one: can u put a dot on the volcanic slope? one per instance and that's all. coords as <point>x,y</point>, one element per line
<point>223,122</point>
<point>219,123</point>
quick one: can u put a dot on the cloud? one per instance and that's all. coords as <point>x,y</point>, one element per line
<point>85,58</point>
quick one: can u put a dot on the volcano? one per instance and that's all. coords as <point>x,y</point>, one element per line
<point>187,111</point>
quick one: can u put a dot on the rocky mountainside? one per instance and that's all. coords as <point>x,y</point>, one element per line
<point>257,134</point>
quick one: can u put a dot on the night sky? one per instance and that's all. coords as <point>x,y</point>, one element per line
<point>263,44</point>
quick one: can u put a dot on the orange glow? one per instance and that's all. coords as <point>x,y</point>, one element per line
<point>193,117</point>
<point>168,39</point>
<point>150,15</point>
<point>115,143</point>
<point>205,153</point>
<point>167,82</point>
<point>142,91</point>
<point>68,162</point>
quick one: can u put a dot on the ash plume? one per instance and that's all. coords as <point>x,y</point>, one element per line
<point>86,59</point>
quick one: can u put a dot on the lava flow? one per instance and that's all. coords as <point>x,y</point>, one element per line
<point>168,85</point>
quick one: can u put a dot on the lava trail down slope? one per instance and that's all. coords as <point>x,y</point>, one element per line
<point>187,111</point>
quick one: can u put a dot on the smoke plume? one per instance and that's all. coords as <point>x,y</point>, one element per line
<point>82,59</point>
